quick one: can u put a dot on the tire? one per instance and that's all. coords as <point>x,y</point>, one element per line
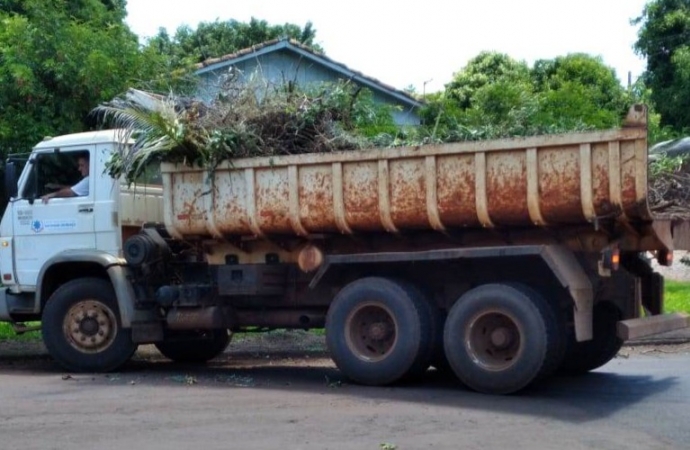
<point>583,357</point>
<point>82,329</point>
<point>498,338</point>
<point>434,318</point>
<point>557,344</point>
<point>378,331</point>
<point>194,347</point>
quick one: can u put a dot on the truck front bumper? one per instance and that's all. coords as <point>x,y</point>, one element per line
<point>648,326</point>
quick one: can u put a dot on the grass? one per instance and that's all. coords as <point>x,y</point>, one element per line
<point>7,333</point>
<point>677,297</point>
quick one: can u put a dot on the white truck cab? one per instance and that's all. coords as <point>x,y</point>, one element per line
<point>43,244</point>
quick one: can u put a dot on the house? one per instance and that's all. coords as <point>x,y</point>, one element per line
<point>283,60</point>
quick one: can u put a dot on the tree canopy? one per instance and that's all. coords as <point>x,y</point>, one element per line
<point>58,60</point>
<point>664,40</point>
<point>213,39</point>
<point>501,96</point>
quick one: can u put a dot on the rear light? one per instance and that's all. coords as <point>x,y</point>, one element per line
<point>611,259</point>
<point>664,257</point>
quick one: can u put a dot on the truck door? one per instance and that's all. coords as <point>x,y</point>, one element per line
<point>42,230</point>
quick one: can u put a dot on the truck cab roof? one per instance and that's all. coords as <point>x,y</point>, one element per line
<point>87,138</point>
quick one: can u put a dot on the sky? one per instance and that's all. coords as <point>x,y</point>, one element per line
<point>424,43</point>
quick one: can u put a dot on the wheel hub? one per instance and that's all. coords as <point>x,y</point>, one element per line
<point>371,331</point>
<point>90,326</point>
<point>493,340</point>
<point>501,337</point>
<point>379,331</point>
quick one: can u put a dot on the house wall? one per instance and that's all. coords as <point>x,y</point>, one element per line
<point>282,66</point>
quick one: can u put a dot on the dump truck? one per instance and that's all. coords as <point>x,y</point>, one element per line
<point>500,261</point>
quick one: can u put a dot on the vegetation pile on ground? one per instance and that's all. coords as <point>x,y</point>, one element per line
<point>669,186</point>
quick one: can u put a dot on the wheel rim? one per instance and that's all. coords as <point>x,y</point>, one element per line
<point>90,326</point>
<point>371,331</point>
<point>493,340</point>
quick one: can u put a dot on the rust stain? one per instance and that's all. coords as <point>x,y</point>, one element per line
<point>559,185</point>
<point>408,194</point>
<point>628,191</point>
<point>231,210</point>
<point>191,218</point>
<point>456,190</point>
<point>361,196</point>
<point>273,201</point>
<point>315,194</point>
<point>506,188</point>
<point>601,181</point>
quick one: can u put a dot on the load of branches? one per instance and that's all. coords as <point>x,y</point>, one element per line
<point>251,117</point>
<point>248,118</point>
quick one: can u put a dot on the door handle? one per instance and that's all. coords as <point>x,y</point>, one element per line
<point>85,208</point>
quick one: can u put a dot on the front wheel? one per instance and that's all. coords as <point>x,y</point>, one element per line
<point>82,329</point>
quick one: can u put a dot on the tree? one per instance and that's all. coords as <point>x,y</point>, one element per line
<point>664,40</point>
<point>579,89</point>
<point>485,69</point>
<point>495,95</point>
<point>58,60</point>
<point>213,39</point>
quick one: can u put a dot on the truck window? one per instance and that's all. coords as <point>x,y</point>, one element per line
<point>151,175</point>
<point>50,170</point>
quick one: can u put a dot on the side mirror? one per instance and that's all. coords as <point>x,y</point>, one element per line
<point>11,178</point>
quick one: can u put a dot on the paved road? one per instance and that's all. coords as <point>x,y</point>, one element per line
<point>259,402</point>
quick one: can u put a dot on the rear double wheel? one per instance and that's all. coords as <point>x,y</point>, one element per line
<point>379,331</point>
<point>498,338</point>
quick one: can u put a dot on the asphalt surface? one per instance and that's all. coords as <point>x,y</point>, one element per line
<point>265,401</point>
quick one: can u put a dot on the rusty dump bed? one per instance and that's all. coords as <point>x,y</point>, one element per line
<point>545,181</point>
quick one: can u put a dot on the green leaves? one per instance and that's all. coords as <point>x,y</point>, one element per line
<point>664,40</point>
<point>218,38</point>
<point>248,118</point>
<point>496,96</point>
<point>58,59</point>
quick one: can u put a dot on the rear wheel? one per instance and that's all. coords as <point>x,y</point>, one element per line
<point>193,346</point>
<point>81,327</point>
<point>378,331</point>
<point>582,357</point>
<point>498,338</point>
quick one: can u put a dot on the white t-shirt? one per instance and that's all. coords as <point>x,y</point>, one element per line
<point>81,189</point>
